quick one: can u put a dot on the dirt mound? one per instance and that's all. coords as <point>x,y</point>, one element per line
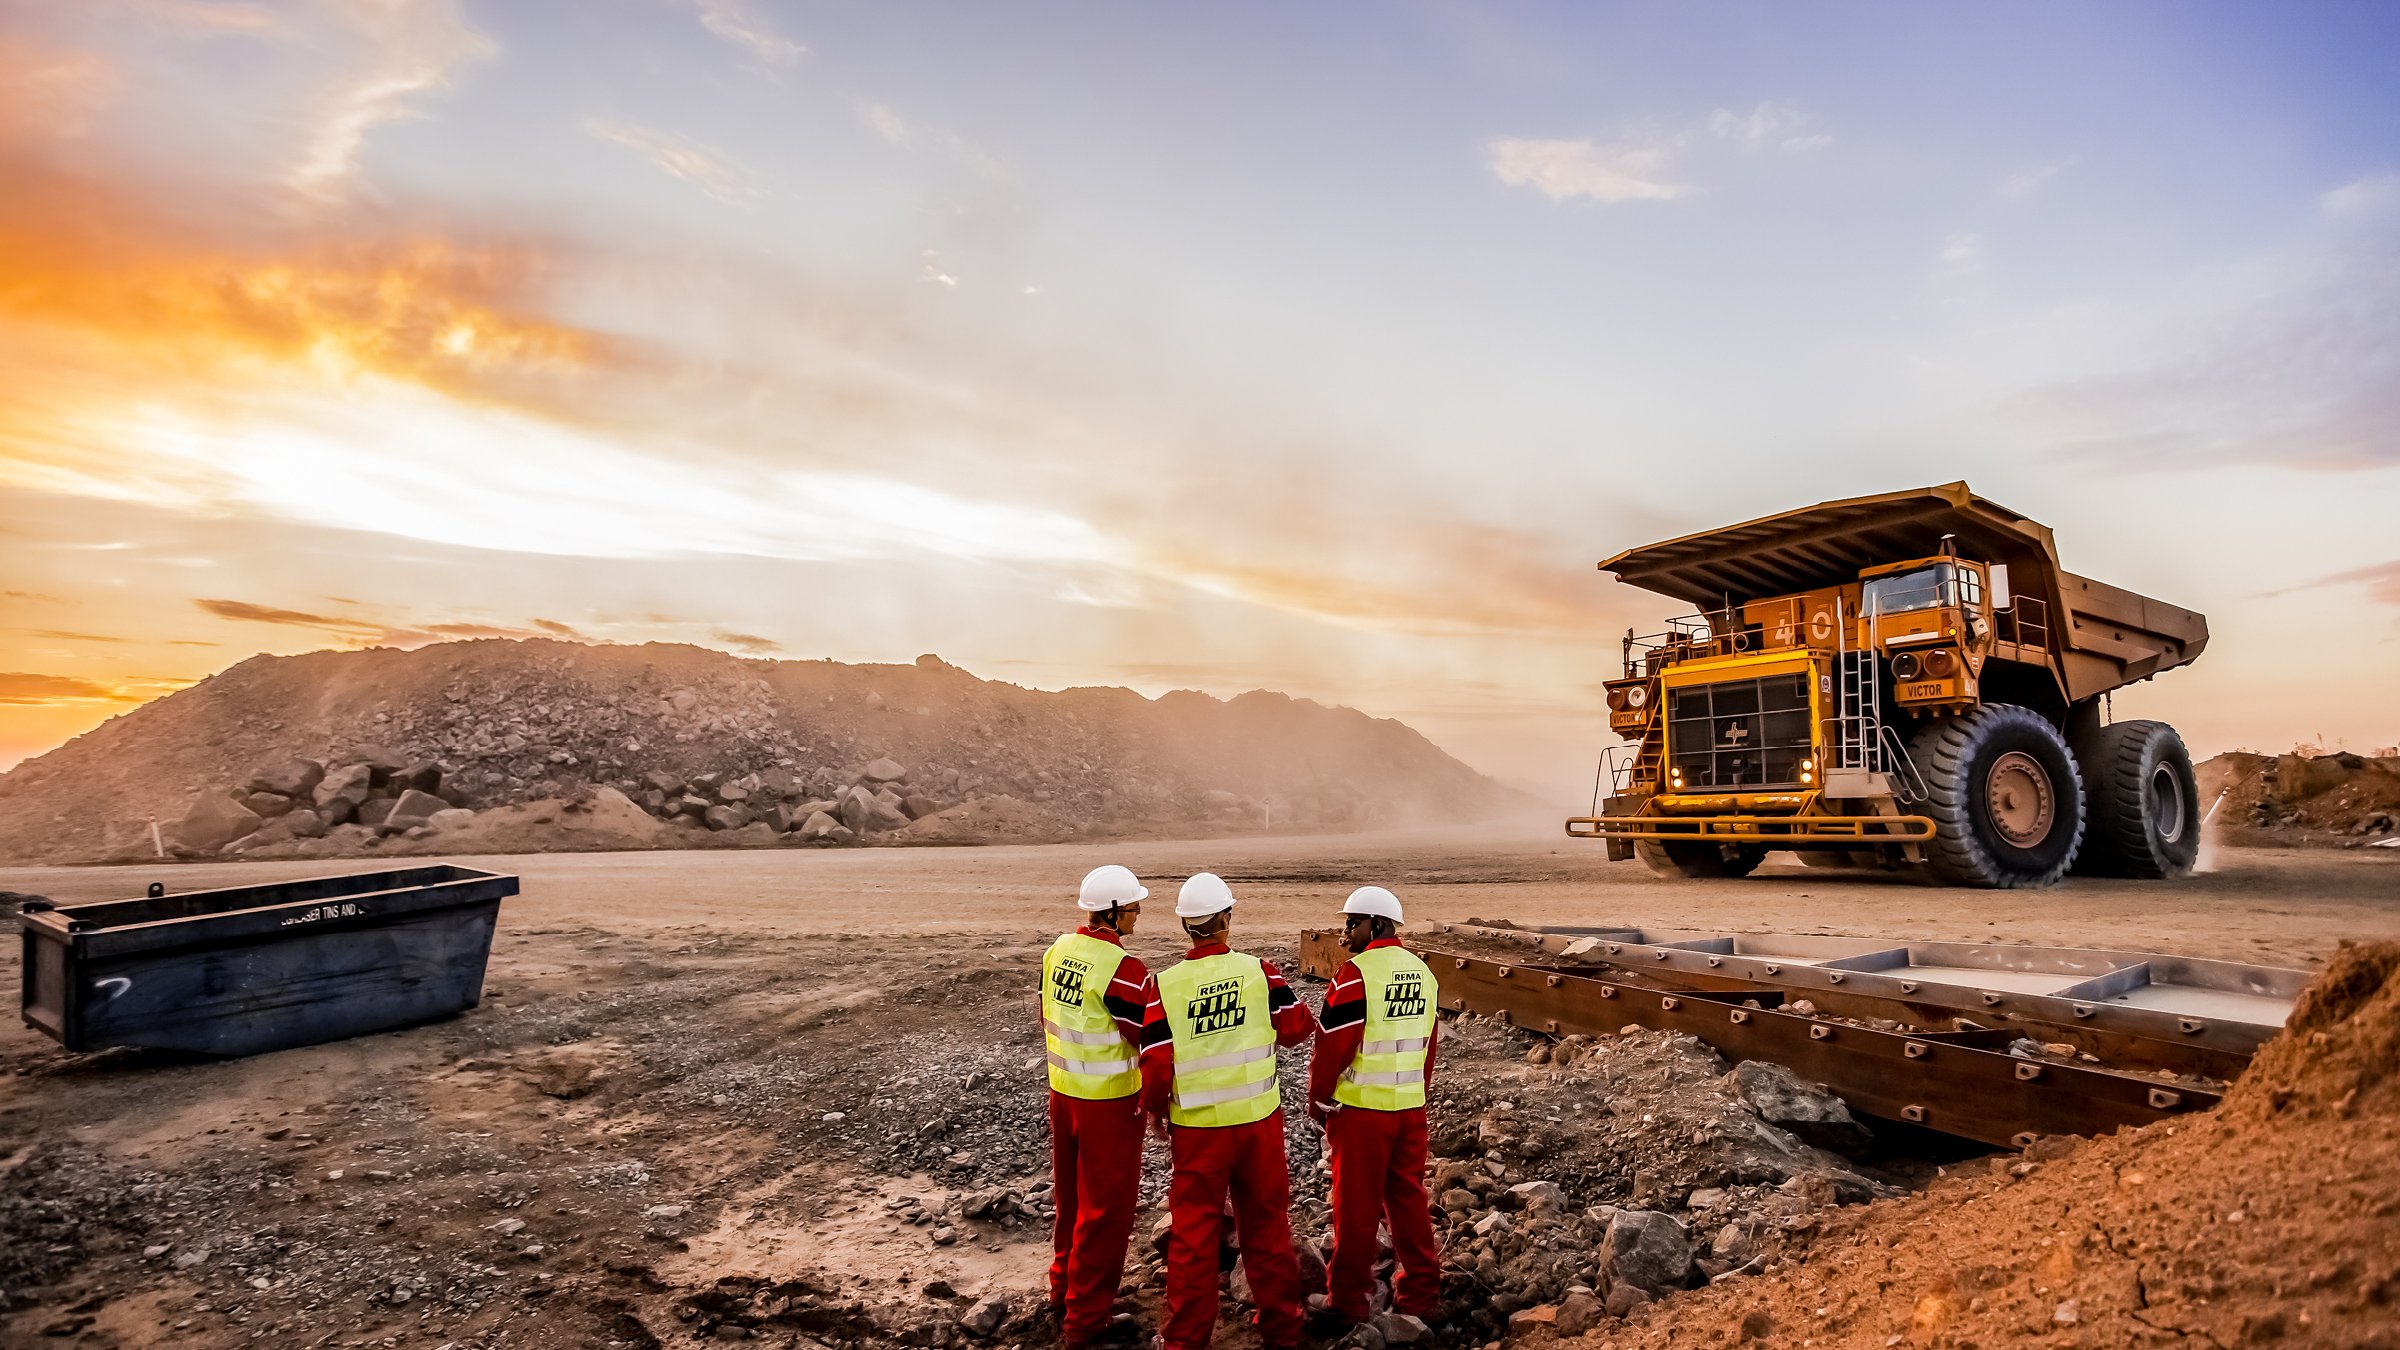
<point>516,722</point>
<point>2340,1052</point>
<point>2302,798</point>
<point>2275,1219</point>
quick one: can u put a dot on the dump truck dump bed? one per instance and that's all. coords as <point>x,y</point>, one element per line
<point>2105,636</point>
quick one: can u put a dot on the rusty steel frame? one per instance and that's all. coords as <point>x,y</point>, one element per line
<point>2116,1048</point>
<point>1960,1083</point>
<point>2212,1047</point>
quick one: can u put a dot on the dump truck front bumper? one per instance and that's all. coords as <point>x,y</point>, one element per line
<point>1779,831</point>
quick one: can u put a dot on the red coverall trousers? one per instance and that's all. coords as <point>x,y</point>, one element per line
<point>1248,1161</point>
<point>1096,1177</point>
<point>1379,1177</point>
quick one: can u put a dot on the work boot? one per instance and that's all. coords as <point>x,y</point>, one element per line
<point>1272,1345</point>
<point>1123,1329</point>
<point>1324,1319</point>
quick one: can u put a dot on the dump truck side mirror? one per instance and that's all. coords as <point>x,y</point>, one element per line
<point>1999,587</point>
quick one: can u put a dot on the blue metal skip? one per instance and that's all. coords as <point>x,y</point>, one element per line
<point>248,969</point>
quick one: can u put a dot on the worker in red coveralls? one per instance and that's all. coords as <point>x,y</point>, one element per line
<point>1209,1038</point>
<point>1093,995</point>
<point>1366,1084</point>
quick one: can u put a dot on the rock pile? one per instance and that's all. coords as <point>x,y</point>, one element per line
<point>2338,797</point>
<point>818,807</point>
<point>522,722</point>
<point>1601,1175</point>
<point>374,794</point>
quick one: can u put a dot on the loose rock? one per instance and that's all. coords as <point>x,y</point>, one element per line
<point>985,1318</point>
<point>216,820</point>
<point>1781,1097</point>
<point>1646,1251</point>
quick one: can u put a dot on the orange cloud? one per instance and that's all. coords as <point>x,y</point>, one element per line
<point>20,689</point>
<point>179,298</point>
<point>185,281</point>
<point>349,632</point>
<point>747,643</point>
<point>467,631</point>
<point>244,611</point>
<point>353,632</point>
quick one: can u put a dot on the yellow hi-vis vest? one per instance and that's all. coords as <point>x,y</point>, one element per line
<point>1089,1056</point>
<point>1389,1072</point>
<point>1224,1041</point>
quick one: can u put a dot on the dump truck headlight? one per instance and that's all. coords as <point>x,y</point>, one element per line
<point>1616,700</point>
<point>1940,661</point>
<point>1638,696</point>
<point>1905,666</point>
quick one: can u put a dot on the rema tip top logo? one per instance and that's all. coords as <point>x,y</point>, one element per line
<point>1216,1007</point>
<point>1405,995</point>
<point>1066,981</point>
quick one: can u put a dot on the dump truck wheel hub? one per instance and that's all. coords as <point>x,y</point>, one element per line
<point>2019,791</point>
<point>2166,802</point>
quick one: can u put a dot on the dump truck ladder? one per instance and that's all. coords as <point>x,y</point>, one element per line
<point>1862,740</point>
<point>1858,707</point>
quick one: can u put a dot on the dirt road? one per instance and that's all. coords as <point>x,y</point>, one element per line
<point>2273,906</point>
<point>735,1092</point>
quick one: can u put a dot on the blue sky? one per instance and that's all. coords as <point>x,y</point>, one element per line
<point>1315,347</point>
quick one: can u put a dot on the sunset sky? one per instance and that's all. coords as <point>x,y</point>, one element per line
<point>1322,348</point>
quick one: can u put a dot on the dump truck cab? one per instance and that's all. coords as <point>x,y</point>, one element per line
<point>1855,663</point>
<point>1930,619</point>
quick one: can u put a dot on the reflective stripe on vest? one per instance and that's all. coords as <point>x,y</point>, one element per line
<point>1224,1040</point>
<point>1389,1072</point>
<point>1112,1036</point>
<point>1089,1056</point>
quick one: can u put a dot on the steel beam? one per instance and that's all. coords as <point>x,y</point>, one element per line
<point>2212,1047</point>
<point>1961,1083</point>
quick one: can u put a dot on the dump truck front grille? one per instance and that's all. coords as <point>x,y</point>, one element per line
<point>1739,734</point>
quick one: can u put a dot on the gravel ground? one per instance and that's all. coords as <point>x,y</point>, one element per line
<point>795,1099</point>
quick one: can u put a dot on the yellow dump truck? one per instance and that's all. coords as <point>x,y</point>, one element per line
<point>1909,678</point>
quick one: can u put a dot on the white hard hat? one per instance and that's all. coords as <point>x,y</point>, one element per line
<point>1204,894</point>
<point>1108,887</point>
<point>1373,900</point>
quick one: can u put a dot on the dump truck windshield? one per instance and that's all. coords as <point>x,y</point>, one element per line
<point>1926,588</point>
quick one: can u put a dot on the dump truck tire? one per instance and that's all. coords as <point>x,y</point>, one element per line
<point>2006,801</point>
<point>2143,803</point>
<point>1698,860</point>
